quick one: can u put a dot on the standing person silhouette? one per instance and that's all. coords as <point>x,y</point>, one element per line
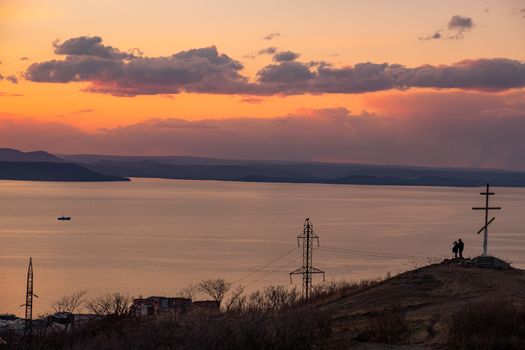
<point>461,245</point>
<point>455,249</point>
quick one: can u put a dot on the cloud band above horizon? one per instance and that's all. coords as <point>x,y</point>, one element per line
<point>466,129</point>
<point>204,70</point>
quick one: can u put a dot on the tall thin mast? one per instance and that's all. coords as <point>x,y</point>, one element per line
<point>28,329</point>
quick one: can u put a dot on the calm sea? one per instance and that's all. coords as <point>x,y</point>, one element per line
<point>154,237</point>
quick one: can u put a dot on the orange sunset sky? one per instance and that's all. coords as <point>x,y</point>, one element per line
<point>434,83</point>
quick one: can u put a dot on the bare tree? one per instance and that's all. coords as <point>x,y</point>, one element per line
<point>116,304</point>
<point>215,288</point>
<point>237,300</point>
<point>273,298</point>
<point>69,303</point>
<point>189,291</point>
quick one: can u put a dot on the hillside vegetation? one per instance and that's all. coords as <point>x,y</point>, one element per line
<point>442,306</point>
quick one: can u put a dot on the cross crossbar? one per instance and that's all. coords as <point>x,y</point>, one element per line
<point>488,223</point>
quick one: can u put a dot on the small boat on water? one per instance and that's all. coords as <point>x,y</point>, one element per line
<point>64,218</point>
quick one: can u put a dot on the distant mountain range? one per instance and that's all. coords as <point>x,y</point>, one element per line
<point>42,166</point>
<point>195,168</point>
<point>13,155</point>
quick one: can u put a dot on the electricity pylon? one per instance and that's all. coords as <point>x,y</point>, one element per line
<point>307,270</point>
<point>28,327</point>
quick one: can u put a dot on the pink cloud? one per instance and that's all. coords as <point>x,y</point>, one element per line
<point>204,70</point>
<point>427,128</point>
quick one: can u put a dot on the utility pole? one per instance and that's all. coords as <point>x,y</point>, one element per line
<point>307,270</point>
<point>486,208</point>
<point>28,329</point>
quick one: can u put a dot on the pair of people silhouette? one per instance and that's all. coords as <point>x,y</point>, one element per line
<point>457,248</point>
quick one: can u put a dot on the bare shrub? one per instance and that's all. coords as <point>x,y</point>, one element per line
<point>303,328</point>
<point>115,304</point>
<point>328,288</point>
<point>69,303</point>
<point>237,300</point>
<point>272,298</point>
<point>487,325</point>
<point>339,288</point>
<point>189,291</point>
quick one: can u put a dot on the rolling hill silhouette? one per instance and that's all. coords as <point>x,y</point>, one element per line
<point>42,166</point>
<point>195,168</point>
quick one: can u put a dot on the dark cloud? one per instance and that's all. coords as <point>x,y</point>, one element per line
<point>424,128</point>
<point>437,35</point>
<point>482,74</point>
<point>285,56</point>
<point>271,36</point>
<point>268,51</point>
<point>313,64</point>
<point>24,58</point>
<point>196,70</point>
<point>289,74</point>
<point>457,26</point>
<point>522,11</point>
<point>1,77</point>
<point>362,77</point>
<point>460,23</point>
<point>89,46</point>
<point>205,70</point>
<point>281,56</point>
<point>12,78</point>
<point>74,68</point>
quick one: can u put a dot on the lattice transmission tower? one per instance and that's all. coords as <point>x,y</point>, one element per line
<point>28,328</point>
<point>306,240</point>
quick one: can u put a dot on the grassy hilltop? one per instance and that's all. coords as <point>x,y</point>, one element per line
<point>442,306</point>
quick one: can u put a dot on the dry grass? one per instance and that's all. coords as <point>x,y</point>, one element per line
<point>251,330</point>
<point>443,305</point>
<point>389,327</point>
<point>487,326</point>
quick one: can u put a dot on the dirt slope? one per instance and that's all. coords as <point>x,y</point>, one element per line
<point>425,298</point>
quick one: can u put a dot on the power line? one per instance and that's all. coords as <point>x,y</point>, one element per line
<point>374,254</point>
<point>328,249</point>
<point>264,266</point>
<point>371,254</point>
<point>274,270</point>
